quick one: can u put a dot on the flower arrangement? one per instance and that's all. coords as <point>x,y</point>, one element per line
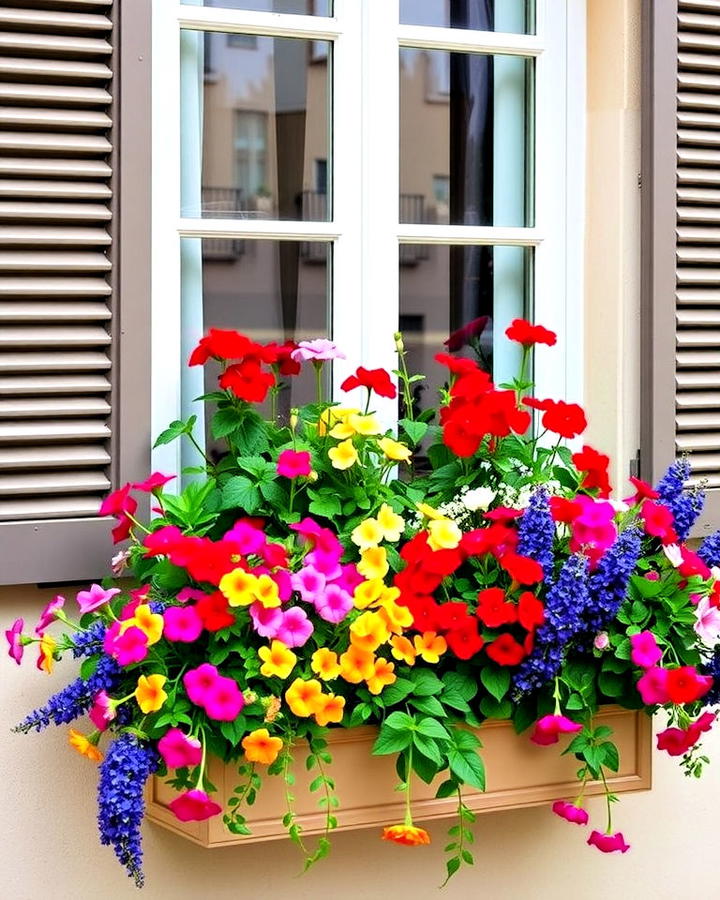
<point>326,571</point>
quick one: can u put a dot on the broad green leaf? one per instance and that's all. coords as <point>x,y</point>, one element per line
<point>467,766</point>
<point>433,729</point>
<point>496,679</point>
<point>239,492</point>
<point>389,741</point>
<point>174,430</point>
<point>399,721</point>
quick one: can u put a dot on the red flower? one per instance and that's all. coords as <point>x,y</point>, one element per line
<point>457,364</point>
<point>524,333</point>
<point>207,560</point>
<point>595,466</point>
<point>286,365</point>
<point>247,380</point>
<point>531,611</point>
<point>162,541</point>
<point>425,612</point>
<point>643,490</point>
<point>503,514</point>
<point>121,532</point>
<point>498,539</point>
<point>521,568</point>
<point>214,611</point>
<point>464,335</point>
<point>692,564</point>
<point>376,380</point>
<point>118,502</point>
<point>220,344</point>
<point>452,616</point>
<point>563,510</point>
<point>472,385</point>
<point>152,482</point>
<point>461,438</point>
<point>658,521</point>
<point>465,641</point>
<point>566,419</point>
<point>493,609</point>
<point>505,651</point>
<point>686,685</point>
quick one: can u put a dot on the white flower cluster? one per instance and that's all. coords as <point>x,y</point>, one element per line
<point>519,498</point>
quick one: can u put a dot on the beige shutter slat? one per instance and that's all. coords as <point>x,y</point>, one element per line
<point>699,41</point>
<point>698,276</point>
<point>52,20</point>
<point>53,94</point>
<point>38,261</point>
<point>31,361</point>
<point>693,176</point>
<point>46,507</point>
<point>36,286</point>
<point>691,255</point>
<point>698,421</point>
<point>39,142</point>
<point>698,22</point>
<point>57,311</point>
<point>699,157</point>
<point>29,408</point>
<point>699,61</point>
<point>23,117</point>
<point>60,456</point>
<point>56,70</point>
<point>700,5</point>
<point>693,399</point>
<point>53,44</point>
<point>55,483</point>
<point>53,236</point>
<point>694,359</point>
<point>701,137</point>
<point>54,168</point>
<point>51,430</point>
<point>53,336</point>
<point>699,296</point>
<point>698,213</point>
<point>60,190</point>
<point>686,381</point>
<point>699,317</point>
<point>698,119</point>
<point>697,195</point>
<point>45,212</point>
<point>42,385</point>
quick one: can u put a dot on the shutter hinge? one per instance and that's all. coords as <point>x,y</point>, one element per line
<point>634,466</point>
<point>639,180</point>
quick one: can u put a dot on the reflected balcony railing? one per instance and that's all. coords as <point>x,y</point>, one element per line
<point>222,203</point>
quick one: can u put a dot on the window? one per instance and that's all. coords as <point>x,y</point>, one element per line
<point>394,162</point>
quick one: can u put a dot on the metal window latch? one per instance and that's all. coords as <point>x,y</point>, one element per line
<point>634,466</point>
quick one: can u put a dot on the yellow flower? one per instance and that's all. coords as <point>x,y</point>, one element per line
<point>444,534</point>
<point>367,534</point>
<point>84,746</point>
<point>277,660</point>
<point>46,660</point>
<point>368,592</point>
<point>343,456</point>
<point>365,425</point>
<point>342,431</point>
<point>267,592</point>
<point>390,523</point>
<point>373,563</point>
<point>332,415</point>
<point>384,675</point>
<point>368,631</point>
<point>325,664</point>
<point>149,692</point>
<point>302,696</point>
<point>428,511</point>
<point>389,595</point>
<point>430,646</point>
<point>394,449</point>
<point>238,587</point>
<point>403,650</point>
<point>397,617</point>
<point>357,664</point>
<point>259,747</point>
<point>150,623</point>
<point>328,708</point>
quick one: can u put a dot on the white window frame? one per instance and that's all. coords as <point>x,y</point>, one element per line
<point>364,232</point>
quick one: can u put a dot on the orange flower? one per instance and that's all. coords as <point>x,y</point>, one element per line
<point>147,621</point>
<point>357,664</point>
<point>384,675</point>
<point>329,708</point>
<point>373,563</point>
<point>430,646</point>
<point>301,696</point>
<point>325,664</point>
<point>259,747</point>
<point>84,746</point>
<point>46,659</point>
<point>403,650</point>
<point>368,631</point>
<point>267,592</point>
<point>149,693</point>
<point>409,835</point>
<point>396,617</point>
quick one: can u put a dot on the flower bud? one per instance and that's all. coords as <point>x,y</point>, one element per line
<point>399,345</point>
<point>293,419</point>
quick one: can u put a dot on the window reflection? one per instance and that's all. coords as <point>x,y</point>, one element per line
<point>515,16</point>
<point>293,7</point>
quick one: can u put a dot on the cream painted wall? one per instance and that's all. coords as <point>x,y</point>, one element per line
<point>48,843</point>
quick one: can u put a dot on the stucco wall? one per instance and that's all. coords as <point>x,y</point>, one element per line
<point>48,842</point>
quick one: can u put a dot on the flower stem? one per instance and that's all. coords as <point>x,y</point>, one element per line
<point>318,381</point>
<point>408,776</point>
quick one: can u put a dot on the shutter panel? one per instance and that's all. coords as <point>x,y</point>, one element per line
<point>681,242</point>
<point>63,391</point>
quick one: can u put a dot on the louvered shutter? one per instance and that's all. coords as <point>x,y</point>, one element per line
<point>681,242</point>
<point>60,273</point>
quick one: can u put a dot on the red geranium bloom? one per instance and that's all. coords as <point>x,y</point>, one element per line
<point>220,344</point>
<point>686,685</point>
<point>464,335</point>
<point>595,466</point>
<point>121,532</point>
<point>286,365</point>
<point>531,611</point>
<point>457,364</point>
<point>563,510</point>
<point>207,560</point>
<point>521,568</point>
<point>505,651</point>
<point>461,438</point>
<point>498,539</point>
<point>163,540</point>
<point>692,564</point>
<point>524,333</point>
<point>466,641</point>
<point>658,521</point>
<point>472,385</point>
<point>643,490</point>
<point>425,612</point>
<point>452,616</point>
<point>494,610</point>
<point>214,611</point>
<point>154,481</point>
<point>118,502</point>
<point>498,414</point>
<point>377,380</point>
<point>566,419</point>
<point>247,380</point>
<point>503,514</point>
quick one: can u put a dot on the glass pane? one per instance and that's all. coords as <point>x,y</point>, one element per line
<point>255,127</point>
<point>443,288</point>
<point>466,138</point>
<point>514,16</point>
<point>269,290</point>
<point>295,7</point>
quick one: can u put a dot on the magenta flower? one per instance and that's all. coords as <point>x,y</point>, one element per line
<point>349,578</point>
<point>575,814</point>
<point>325,561</point>
<point>318,350</point>
<point>653,686</point>
<point>153,482</point>
<point>188,593</point>
<point>295,628</point>
<point>194,806</point>
<point>199,682</point>
<point>608,843</point>
<point>179,749</point>
<point>97,596</point>
<point>274,555</point>
<point>645,652</point>
<point>48,615</point>
<point>308,528</point>
<point>594,530</point>
<point>266,621</point>
<point>549,728</point>
<point>102,711</point>
<point>246,537</point>
<point>118,503</point>
<point>309,583</point>
<point>127,648</point>
<point>333,604</point>
<point>162,541</point>
<point>224,700</point>
<point>675,741</point>
<point>182,623</point>
<point>294,465</point>
<point>14,639</point>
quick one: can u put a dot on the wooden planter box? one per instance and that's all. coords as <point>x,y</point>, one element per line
<point>519,774</point>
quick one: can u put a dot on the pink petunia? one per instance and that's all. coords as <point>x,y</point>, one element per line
<point>292,464</point>
<point>49,614</point>
<point>707,624</point>
<point>14,639</point>
<point>188,593</point>
<point>97,596</point>
<point>325,561</point>
<point>200,681</point>
<point>179,749</point>
<point>246,536</point>
<point>266,620</point>
<point>653,686</point>
<point>318,350</point>
<point>645,652</point>
<point>194,806</point>
<point>608,843</point>
<point>571,813</point>
<point>594,530</point>
<point>549,728</point>
<point>309,583</point>
<point>223,700</point>
<point>333,604</point>
<point>349,578</point>
<point>127,648</point>
<point>296,628</point>
<point>102,711</point>
<point>153,482</point>
<point>118,503</point>
<point>182,623</point>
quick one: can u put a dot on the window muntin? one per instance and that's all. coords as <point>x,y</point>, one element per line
<point>292,7</point>
<point>516,16</point>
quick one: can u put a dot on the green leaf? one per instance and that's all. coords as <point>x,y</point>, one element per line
<point>327,505</point>
<point>453,864</point>
<point>414,430</point>
<point>174,430</point>
<point>446,789</point>
<point>397,691</point>
<point>496,709</point>
<point>611,757</point>
<point>611,685</point>
<point>225,422</point>
<point>399,721</point>
<point>389,741</point>
<point>467,766</point>
<point>429,705</point>
<point>428,748</point>
<point>462,684</point>
<point>433,729</point>
<point>496,680</point>
<point>426,683</point>
<point>273,493</point>
<point>88,667</point>
<point>360,714</point>
<point>464,739</point>
<point>240,492</point>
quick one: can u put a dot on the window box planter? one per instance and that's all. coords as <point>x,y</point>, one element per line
<point>519,774</point>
